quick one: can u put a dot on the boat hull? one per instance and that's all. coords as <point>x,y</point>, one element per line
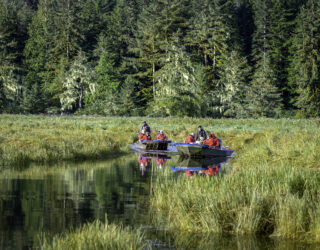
<point>152,145</point>
<point>196,150</point>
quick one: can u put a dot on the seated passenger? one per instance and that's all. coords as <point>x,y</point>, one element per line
<point>161,136</point>
<point>145,127</point>
<point>212,141</point>
<point>149,138</point>
<point>190,139</point>
<point>201,134</point>
<point>142,136</point>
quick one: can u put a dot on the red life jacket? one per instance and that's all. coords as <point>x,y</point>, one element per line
<point>161,137</point>
<point>142,137</point>
<point>212,141</point>
<point>190,139</point>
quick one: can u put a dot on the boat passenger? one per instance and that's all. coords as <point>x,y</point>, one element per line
<point>144,164</point>
<point>212,170</point>
<point>201,134</point>
<point>161,136</point>
<point>190,138</point>
<point>145,127</point>
<point>189,173</point>
<point>149,138</point>
<point>160,162</point>
<point>212,141</point>
<point>142,136</point>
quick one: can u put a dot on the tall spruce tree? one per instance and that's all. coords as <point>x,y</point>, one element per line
<point>305,64</point>
<point>177,91</point>
<point>209,33</point>
<point>14,19</point>
<point>264,96</point>
<point>232,86</point>
<point>79,83</point>
<point>36,53</point>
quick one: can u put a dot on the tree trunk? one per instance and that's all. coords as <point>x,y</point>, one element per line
<point>153,80</point>
<point>214,62</point>
<point>81,97</point>
<point>205,59</point>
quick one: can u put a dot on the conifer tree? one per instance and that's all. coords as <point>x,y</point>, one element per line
<point>305,65</point>
<point>79,83</point>
<point>209,33</point>
<point>232,85</point>
<point>264,96</point>
<point>14,18</point>
<point>177,91</point>
<point>36,53</point>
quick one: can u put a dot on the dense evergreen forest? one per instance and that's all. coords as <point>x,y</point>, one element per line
<point>216,58</point>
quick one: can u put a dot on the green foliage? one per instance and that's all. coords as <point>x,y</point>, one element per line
<point>177,91</point>
<point>133,39</point>
<point>232,86</point>
<point>263,97</point>
<point>14,18</point>
<point>99,236</point>
<point>304,71</point>
<point>79,83</point>
<point>269,188</point>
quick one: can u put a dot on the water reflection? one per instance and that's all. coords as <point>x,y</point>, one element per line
<point>147,161</point>
<point>200,167</point>
<point>54,200</point>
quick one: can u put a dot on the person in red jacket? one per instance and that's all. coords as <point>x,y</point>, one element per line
<point>212,141</point>
<point>212,170</point>
<point>142,136</point>
<point>190,138</point>
<point>161,136</point>
<point>149,138</point>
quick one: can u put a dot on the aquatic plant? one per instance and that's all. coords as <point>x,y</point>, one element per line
<point>272,189</point>
<point>98,235</point>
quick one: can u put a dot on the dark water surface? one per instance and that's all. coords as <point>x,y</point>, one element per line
<point>51,200</point>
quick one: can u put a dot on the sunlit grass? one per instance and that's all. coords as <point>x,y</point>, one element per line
<point>45,139</point>
<point>99,235</point>
<point>272,189</point>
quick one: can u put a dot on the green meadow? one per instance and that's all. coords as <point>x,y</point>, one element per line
<point>271,190</point>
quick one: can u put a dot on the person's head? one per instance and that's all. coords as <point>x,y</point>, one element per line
<point>200,128</point>
<point>213,135</point>
<point>208,133</point>
<point>144,122</point>
<point>192,134</point>
<point>158,131</point>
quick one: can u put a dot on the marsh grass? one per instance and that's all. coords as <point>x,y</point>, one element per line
<point>272,188</point>
<point>98,235</point>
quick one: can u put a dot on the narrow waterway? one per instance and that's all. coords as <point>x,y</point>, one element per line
<point>49,200</point>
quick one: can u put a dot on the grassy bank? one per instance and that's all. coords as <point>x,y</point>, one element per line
<point>272,190</point>
<point>39,139</point>
<point>98,236</point>
<point>46,139</point>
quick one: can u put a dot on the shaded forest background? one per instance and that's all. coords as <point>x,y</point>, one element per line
<point>216,58</point>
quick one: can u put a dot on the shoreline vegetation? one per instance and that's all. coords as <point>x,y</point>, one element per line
<point>97,235</point>
<point>272,189</point>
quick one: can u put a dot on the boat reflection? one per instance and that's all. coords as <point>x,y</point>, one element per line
<point>200,167</point>
<point>146,161</point>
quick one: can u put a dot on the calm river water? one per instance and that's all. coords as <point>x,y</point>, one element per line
<point>50,200</point>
